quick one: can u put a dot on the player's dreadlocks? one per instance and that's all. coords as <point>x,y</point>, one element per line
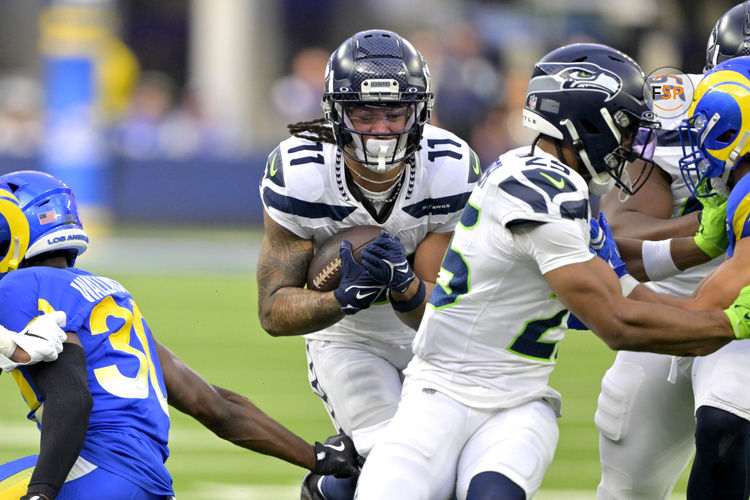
<point>316,130</point>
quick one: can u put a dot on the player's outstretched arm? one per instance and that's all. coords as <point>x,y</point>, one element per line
<point>236,419</point>
<point>285,307</point>
<point>67,407</point>
<point>721,287</point>
<point>592,292</point>
<point>671,256</point>
<point>646,215</point>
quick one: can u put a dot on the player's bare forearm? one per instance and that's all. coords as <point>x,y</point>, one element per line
<point>685,254</point>
<point>285,307</point>
<point>665,329</point>
<point>630,251</point>
<point>297,311</point>
<point>247,426</point>
<point>591,291</point>
<point>632,224</point>
<point>647,215</point>
<point>228,414</point>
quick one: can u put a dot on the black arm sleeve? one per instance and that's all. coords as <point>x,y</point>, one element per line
<point>65,420</point>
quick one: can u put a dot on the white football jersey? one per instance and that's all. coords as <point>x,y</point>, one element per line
<point>490,332</point>
<point>304,190</point>
<point>667,156</point>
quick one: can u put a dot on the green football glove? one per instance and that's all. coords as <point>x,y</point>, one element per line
<point>712,234</point>
<point>739,314</point>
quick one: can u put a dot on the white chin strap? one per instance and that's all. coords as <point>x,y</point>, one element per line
<point>382,149</point>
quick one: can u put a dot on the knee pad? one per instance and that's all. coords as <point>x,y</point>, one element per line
<point>619,388</point>
<point>489,485</point>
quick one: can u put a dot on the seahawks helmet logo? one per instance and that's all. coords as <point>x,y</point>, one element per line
<point>558,76</point>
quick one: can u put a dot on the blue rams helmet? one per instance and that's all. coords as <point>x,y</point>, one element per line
<point>730,37</point>
<point>38,214</point>
<point>590,96</point>
<point>716,136</point>
<point>377,69</point>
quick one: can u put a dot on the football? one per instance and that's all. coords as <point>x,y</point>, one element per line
<point>324,272</point>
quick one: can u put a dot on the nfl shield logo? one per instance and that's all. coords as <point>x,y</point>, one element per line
<point>532,101</point>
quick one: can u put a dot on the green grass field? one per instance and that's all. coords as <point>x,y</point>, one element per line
<point>210,320</point>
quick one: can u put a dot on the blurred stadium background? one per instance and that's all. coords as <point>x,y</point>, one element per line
<point>160,115</point>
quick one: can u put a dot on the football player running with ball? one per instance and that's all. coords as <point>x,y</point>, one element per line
<point>477,417</point>
<point>101,403</point>
<point>373,160</point>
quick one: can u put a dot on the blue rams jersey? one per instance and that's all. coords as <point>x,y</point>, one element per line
<point>305,191</point>
<point>738,213</point>
<point>129,424</point>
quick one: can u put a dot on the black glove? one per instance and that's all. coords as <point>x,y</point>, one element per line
<point>357,290</point>
<point>33,496</point>
<point>336,456</point>
<point>385,260</point>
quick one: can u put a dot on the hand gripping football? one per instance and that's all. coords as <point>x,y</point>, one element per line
<point>324,272</point>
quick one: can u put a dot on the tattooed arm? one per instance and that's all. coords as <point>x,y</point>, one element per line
<point>284,306</point>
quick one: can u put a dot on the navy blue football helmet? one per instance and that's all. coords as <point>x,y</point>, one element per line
<point>377,68</point>
<point>590,96</point>
<point>730,37</point>
<point>38,214</point>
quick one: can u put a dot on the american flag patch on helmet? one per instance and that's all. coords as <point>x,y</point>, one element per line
<point>48,216</point>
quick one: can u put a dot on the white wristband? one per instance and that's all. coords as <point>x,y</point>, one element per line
<point>627,284</point>
<point>657,259</point>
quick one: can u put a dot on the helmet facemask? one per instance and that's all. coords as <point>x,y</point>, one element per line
<point>633,141</point>
<point>697,166</point>
<point>637,148</point>
<point>380,152</point>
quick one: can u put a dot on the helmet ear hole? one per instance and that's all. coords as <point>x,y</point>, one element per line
<point>589,127</point>
<point>727,136</point>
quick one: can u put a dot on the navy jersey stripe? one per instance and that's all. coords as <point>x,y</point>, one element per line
<point>295,206</point>
<point>524,193</point>
<point>437,206</point>
<point>549,181</point>
<point>470,216</point>
<point>577,209</point>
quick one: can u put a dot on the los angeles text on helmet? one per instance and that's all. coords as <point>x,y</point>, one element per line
<point>60,239</point>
